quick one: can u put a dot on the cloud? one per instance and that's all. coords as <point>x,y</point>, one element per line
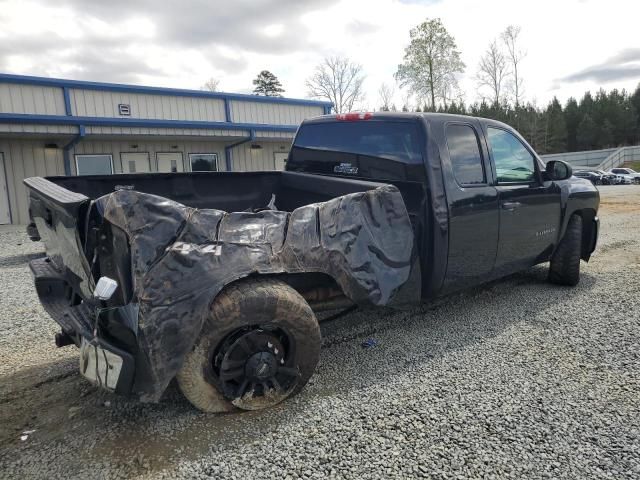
<point>359,27</point>
<point>119,40</point>
<point>622,66</point>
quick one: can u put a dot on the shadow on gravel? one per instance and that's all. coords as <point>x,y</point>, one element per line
<point>444,325</point>
<point>15,260</point>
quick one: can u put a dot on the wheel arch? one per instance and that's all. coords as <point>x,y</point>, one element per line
<point>589,229</point>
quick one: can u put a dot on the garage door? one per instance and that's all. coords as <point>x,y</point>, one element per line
<point>5,216</point>
<point>135,162</point>
<point>170,162</point>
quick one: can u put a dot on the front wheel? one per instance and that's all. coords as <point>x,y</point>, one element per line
<point>259,345</point>
<point>565,263</point>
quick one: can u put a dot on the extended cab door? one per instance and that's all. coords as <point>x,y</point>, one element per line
<point>473,205</point>
<point>529,207</point>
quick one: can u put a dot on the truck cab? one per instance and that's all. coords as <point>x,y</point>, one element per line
<point>482,203</point>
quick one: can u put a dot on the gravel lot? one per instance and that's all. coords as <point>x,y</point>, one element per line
<point>514,379</point>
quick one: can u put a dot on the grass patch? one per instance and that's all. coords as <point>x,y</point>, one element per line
<point>634,165</point>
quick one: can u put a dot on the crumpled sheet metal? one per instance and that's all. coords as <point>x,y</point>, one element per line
<point>183,257</point>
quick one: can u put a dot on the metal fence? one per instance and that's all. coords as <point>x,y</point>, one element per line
<point>605,159</point>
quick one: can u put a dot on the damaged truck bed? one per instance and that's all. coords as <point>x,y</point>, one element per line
<point>179,246</point>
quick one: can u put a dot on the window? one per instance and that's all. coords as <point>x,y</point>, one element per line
<point>204,162</point>
<point>391,140</point>
<point>514,163</point>
<point>464,152</point>
<point>94,165</point>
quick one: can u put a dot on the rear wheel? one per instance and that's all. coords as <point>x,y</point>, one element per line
<point>565,263</point>
<point>259,345</point>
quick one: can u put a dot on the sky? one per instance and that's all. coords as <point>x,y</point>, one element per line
<point>571,45</point>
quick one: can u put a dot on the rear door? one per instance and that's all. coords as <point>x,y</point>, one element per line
<point>137,162</point>
<point>529,207</point>
<point>473,206</point>
<point>169,162</point>
<point>280,160</point>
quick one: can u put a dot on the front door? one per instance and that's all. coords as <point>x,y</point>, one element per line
<point>135,162</point>
<point>529,206</point>
<point>170,162</point>
<point>5,214</point>
<point>280,160</point>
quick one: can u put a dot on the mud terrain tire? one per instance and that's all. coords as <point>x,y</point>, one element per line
<point>565,263</point>
<point>255,328</point>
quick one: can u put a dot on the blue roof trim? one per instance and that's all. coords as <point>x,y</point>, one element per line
<point>119,87</point>
<point>138,122</point>
<point>66,151</point>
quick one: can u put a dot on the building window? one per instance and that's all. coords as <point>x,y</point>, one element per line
<point>464,152</point>
<point>94,165</point>
<point>204,162</point>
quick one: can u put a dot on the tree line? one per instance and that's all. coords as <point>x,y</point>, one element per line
<point>604,120</point>
<point>428,79</point>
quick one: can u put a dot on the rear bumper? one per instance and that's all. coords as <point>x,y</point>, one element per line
<point>101,361</point>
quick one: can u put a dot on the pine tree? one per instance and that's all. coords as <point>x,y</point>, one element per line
<point>267,84</point>
<point>557,128</point>
<point>572,119</point>
<point>587,132</point>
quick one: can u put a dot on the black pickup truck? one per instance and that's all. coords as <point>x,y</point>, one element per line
<point>215,278</point>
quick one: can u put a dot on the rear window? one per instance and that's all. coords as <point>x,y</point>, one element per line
<point>465,156</point>
<point>397,141</point>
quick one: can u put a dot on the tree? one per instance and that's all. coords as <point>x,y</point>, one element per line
<point>431,61</point>
<point>338,80</point>
<point>267,84</point>
<point>556,128</point>
<point>515,56</point>
<point>492,71</point>
<point>572,119</point>
<point>211,85</point>
<point>587,132</point>
<point>386,93</point>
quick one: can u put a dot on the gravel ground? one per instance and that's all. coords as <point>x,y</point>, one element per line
<point>515,379</point>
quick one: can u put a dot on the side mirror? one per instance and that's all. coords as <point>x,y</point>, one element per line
<point>558,170</point>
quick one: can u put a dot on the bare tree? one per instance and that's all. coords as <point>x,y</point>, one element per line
<point>515,56</point>
<point>386,93</point>
<point>431,61</point>
<point>211,85</point>
<point>338,80</point>
<point>492,71</point>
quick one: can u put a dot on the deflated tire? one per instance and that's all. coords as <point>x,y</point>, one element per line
<point>259,345</point>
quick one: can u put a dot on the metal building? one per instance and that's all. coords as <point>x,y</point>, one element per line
<point>66,127</point>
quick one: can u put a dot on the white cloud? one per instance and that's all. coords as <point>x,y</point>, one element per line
<point>158,43</point>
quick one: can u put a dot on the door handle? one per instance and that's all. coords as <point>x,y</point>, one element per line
<point>511,206</point>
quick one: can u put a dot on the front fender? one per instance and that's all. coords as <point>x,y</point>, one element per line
<point>580,196</point>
